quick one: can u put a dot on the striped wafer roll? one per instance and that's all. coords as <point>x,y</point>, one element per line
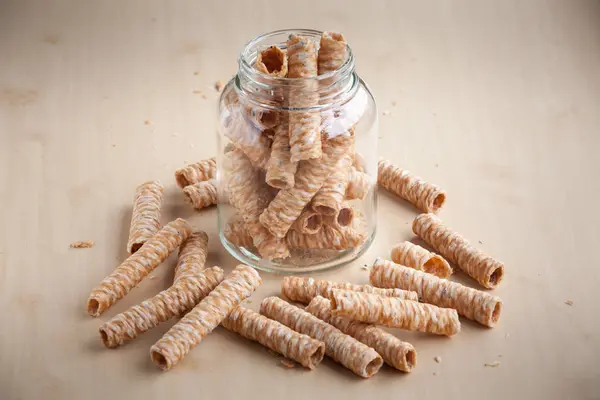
<point>456,249</point>
<point>137,266</point>
<point>352,354</point>
<point>415,256</point>
<point>192,256</point>
<point>328,237</point>
<point>198,172</point>
<point>280,168</point>
<point>303,290</point>
<point>204,317</point>
<point>305,138</point>
<point>396,353</point>
<point>474,304</point>
<point>423,195</point>
<point>342,218</point>
<point>247,137</point>
<point>329,199</point>
<point>272,61</point>
<point>281,213</point>
<point>332,52</point>
<point>145,218</point>
<point>236,232</point>
<point>309,222</point>
<point>202,194</point>
<point>394,312</point>
<point>358,185</point>
<point>173,302</point>
<point>303,349</point>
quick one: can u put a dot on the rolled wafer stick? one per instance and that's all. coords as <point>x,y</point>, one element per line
<point>272,61</point>
<point>137,266</point>
<point>202,194</point>
<point>456,249</point>
<point>145,218</point>
<point>358,185</point>
<point>305,138</point>
<point>204,317</point>
<point>328,200</point>
<point>280,168</point>
<point>328,237</point>
<point>173,302</point>
<point>198,172</point>
<point>423,195</point>
<point>471,303</point>
<point>309,222</point>
<point>415,256</point>
<point>396,353</point>
<point>301,348</point>
<point>394,312</point>
<point>332,52</point>
<point>236,233</point>
<point>352,354</point>
<point>192,256</point>
<point>281,213</point>
<point>303,290</point>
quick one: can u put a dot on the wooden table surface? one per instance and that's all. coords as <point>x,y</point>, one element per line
<point>498,102</point>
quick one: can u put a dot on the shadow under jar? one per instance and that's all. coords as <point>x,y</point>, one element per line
<point>297,162</point>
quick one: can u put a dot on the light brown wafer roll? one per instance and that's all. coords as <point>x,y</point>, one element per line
<point>192,256</point>
<point>145,218</point>
<point>272,61</point>
<point>303,349</point>
<point>415,256</point>
<point>342,218</point>
<point>198,172</point>
<point>400,355</point>
<point>173,302</point>
<point>303,290</point>
<point>250,196</point>
<point>394,312</point>
<point>473,304</point>
<point>204,317</point>
<point>328,237</point>
<point>352,354</point>
<point>305,138</point>
<point>137,266</point>
<point>329,198</point>
<point>280,168</point>
<point>281,213</point>
<point>236,232</point>
<point>202,194</point>
<point>456,249</point>
<point>247,137</point>
<point>309,222</point>
<point>423,195</point>
<point>332,52</point>
<point>358,185</point>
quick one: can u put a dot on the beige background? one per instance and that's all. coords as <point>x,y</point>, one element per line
<point>497,102</point>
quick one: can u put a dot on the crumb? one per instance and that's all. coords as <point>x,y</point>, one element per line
<point>500,355</point>
<point>147,122</point>
<point>152,277</point>
<point>196,73</point>
<point>493,364</point>
<point>569,302</point>
<point>379,137</point>
<point>197,91</point>
<point>480,241</point>
<point>87,244</point>
<point>204,96</point>
<point>437,165</point>
<point>174,135</point>
<point>364,267</point>
<point>248,301</point>
<point>288,363</point>
<point>437,359</point>
<point>273,353</point>
<point>435,374</point>
<point>394,104</point>
<point>507,335</point>
<point>218,85</point>
<point>113,145</point>
<point>434,114</point>
<point>386,112</point>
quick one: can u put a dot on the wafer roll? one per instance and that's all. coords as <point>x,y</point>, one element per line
<point>328,237</point>
<point>332,52</point>
<point>236,232</point>
<point>198,172</point>
<point>328,200</point>
<point>280,168</point>
<point>192,256</point>
<point>202,194</point>
<point>145,218</point>
<point>358,185</point>
<point>415,256</point>
<point>309,222</point>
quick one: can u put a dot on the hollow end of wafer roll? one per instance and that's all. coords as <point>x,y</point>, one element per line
<point>495,277</point>
<point>325,210</point>
<point>272,61</point>
<point>438,202</point>
<point>160,360</point>
<point>135,247</point>
<point>373,366</point>
<point>495,314</point>
<point>181,180</point>
<point>108,338</point>
<point>317,356</point>
<point>313,224</point>
<point>437,266</point>
<point>345,216</point>
<point>411,359</point>
<point>95,307</point>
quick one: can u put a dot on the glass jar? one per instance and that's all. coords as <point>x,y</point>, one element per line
<point>297,160</point>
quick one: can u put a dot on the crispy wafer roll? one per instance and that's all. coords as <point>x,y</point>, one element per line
<point>309,222</point>
<point>456,249</point>
<point>305,138</point>
<point>474,304</point>
<point>192,256</point>
<point>400,355</point>
<point>352,354</point>
<point>272,61</point>
<point>358,185</point>
<point>202,194</point>
<point>341,219</point>
<point>204,317</point>
<point>332,52</point>
<point>423,195</point>
<point>280,168</point>
<point>281,213</point>
<point>329,198</point>
<point>394,312</point>
<point>198,172</point>
<point>415,256</point>
<point>303,349</point>
<point>303,290</point>
<point>246,136</point>
<point>328,237</point>
<point>173,302</point>
<point>236,232</point>
<point>137,266</point>
<point>250,196</point>
<point>145,218</point>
